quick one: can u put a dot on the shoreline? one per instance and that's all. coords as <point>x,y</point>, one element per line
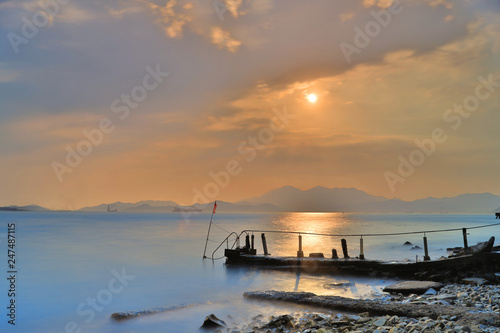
<point>454,308</point>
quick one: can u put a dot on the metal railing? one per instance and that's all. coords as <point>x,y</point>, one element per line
<point>300,233</point>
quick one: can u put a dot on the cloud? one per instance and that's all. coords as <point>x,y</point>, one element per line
<point>219,93</point>
<point>127,9</point>
<point>435,3</point>
<point>170,17</point>
<point>233,6</point>
<point>378,3</point>
<point>223,39</point>
<point>73,14</point>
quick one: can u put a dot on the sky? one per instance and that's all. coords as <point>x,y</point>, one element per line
<point>197,100</point>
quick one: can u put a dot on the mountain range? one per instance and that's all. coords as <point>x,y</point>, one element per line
<point>170,206</point>
<point>317,199</point>
<point>322,199</point>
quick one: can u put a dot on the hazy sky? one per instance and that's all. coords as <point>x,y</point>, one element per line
<point>123,100</point>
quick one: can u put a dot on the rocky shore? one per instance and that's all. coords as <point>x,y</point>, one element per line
<point>454,308</point>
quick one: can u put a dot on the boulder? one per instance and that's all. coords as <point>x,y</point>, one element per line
<point>212,322</point>
<point>412,287</point>
<point>284,321</point>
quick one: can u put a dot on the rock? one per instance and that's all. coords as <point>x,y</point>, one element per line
<point>337,285</point>
<point>412,287</point>
<point>416,247</point>
<point>316,255</point>
<point>363,320</point>
<point>212,322</point>
<point>438,277</point>
<point>475,281</point>
<point>379,322</point>
<point>258,317</point>
<point>323,330</point>
<point>430,291</point>
<point>465,329</point>
<point>407,243</point>
<point>281,321</point>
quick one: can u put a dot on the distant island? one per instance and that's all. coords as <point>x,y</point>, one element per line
<point>29,208</point>
<point>317,199</point>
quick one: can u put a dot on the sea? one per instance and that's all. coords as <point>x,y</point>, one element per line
<point>72,270</point>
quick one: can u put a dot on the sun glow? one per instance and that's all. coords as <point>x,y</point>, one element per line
<point>312,98</point>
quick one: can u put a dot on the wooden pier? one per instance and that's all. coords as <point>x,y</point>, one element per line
<point>437,270</point>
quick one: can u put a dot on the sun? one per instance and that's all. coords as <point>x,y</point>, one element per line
<point>312,98</point>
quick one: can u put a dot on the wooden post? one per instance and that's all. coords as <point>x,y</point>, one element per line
<point>466,246</point>
<point>361,254</point>
<point>344,248</point>
<point>426,250</point>
<point>334,254</point>
<point>264,244</point>
<point>253,242</point>
<point>247,242</point>
<point>300,253</point>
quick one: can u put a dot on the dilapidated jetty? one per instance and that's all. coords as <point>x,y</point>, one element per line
<point>482,259</point>
<point>484,264</point>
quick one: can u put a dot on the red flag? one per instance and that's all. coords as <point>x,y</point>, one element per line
<point>215,206</point>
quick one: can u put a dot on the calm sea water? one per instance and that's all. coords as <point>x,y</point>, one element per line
<point>75,269</point>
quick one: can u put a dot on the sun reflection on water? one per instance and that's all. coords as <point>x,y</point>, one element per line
<point>319,223</point>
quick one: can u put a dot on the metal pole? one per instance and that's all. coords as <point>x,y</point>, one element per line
<point>426,250</point>
<point>361,254</point>
<point>208,234</point>
<point>300,253</point>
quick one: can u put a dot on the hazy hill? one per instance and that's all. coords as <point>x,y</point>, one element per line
<point>317,199</point>
<point>223,206</point>
<point>149,208</point>
<point>169,206</point>
<point>124,206</point>
<point>29,208</point>
<point>322,199</point>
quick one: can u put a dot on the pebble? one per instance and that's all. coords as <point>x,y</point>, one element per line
<point>380,322</point>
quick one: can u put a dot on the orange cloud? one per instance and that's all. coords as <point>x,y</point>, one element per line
<point>223,40</point>
<point>171,20</point>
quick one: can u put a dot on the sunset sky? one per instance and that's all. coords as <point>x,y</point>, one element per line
<point>124,100</point>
